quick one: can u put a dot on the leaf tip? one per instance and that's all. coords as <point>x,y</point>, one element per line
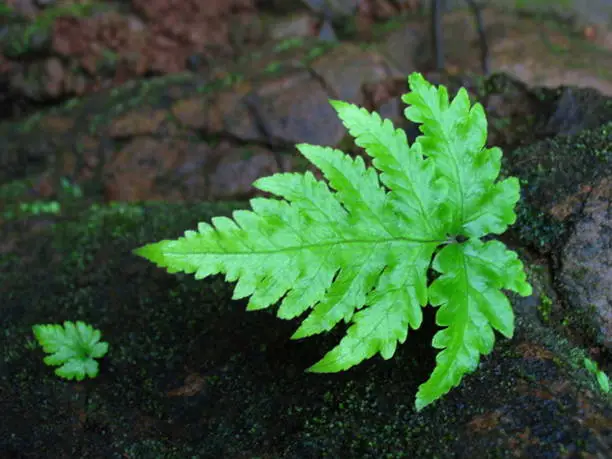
<point>420,403</point>
<point>338,104</point>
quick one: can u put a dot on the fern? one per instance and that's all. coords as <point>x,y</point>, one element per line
<point>75,347</point>
<point>360,251</point>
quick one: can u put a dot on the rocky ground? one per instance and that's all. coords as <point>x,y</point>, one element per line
<point>138,119</point>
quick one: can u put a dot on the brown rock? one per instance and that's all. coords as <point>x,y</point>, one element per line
<point>383,9</point>
<point>346,68</point>
<point>69,37</point>
<point>66,163</point>
<point>192,172</point>
<point>230,114</point>
<point>236,171</point>
<point>296,25</point>
<point>55,124</point>
<point>88,150</point>
<point>74,84</point>
<point>132,173</point>
<point>586,262</point>
<point>137,123</point>
<point>192,112</point>
<point>24,7</point>
<point>294,108</point>
<point>54,77</point>
<point>402,48</point>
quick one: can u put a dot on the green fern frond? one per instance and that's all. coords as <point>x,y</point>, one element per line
<point>357,248</point>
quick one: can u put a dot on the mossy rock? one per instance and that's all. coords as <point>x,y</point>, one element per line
<point>189,373</point>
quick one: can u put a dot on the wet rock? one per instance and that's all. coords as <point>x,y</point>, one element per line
<point>385,98</point>
<point>272,110</point>
<point>326,32</point>
<point>194,113</point>
<point>540,52</point>
<point>560,172</point>
<point>294,109</point>
<point>529,398</point>
<point>229,113</point>
<point>401,47</point>
<point>333,8</point>
<point>29,81</point>
<point>297,25</point>
<point>24,7</point>
<point>45,3</point>
<point>201,29</point>
<point>575,110</point>
<point>513,111</point>
<point>75,84</point>
<point>178,170</point>
<point>54,77</point>
<point>132,172</point>
<point>586,262</point>
<point>133,124</point>
<point>112,46</point>
<point>104,44</point>
<point>19,39</point>
<point>346,68</point>
<point>238,168</point>
<point>245,30</point>
<point>566,187</point>
<point>54,125</point>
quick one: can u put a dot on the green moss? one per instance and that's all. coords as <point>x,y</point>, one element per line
<point>545,308</point>
<point>581,320</point>
<point>539,166</point>
<point>15,189</point>
<point>273,67</point>
<point>254,400</point>
<point>223,83</point>
<point>381,29</point>
<point>317,51</point>
<point>106,66</point>
<point>31,123</point>
<point>537,229</point>
<point>6,10</point>
<point>289,43</point>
